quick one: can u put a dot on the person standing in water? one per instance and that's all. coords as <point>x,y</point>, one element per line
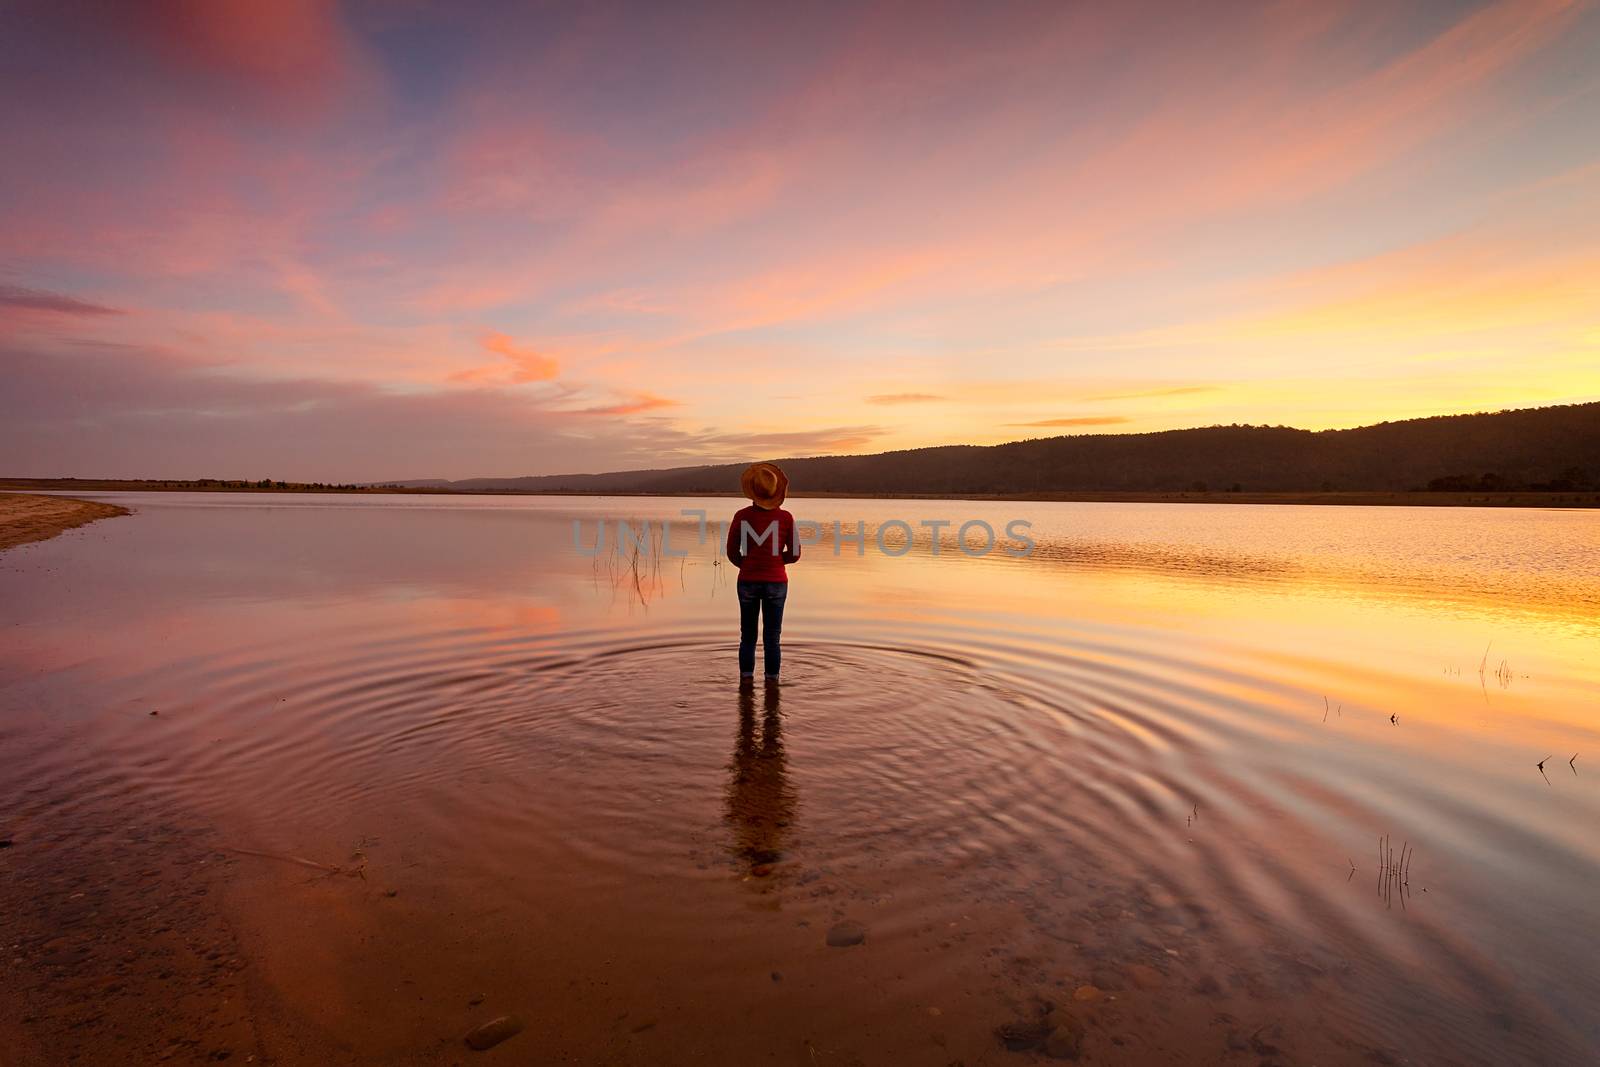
<point>761,541</point>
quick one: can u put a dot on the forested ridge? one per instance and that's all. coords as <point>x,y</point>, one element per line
<point>1550,448</point>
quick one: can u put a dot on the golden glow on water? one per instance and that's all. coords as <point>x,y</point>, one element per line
<point>1164,740</point>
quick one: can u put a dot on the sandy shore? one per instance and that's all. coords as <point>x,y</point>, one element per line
<point>36,518</point>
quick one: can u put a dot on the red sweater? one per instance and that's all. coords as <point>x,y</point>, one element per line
<point>762,552</point>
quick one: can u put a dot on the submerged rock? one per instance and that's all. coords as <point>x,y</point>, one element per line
<point>1024,1035</point>
<point>1108,980</point>
<point>847,933</point>
<point>1065,1041</point>
<point>1144,977</point>
<point>493,1032</point>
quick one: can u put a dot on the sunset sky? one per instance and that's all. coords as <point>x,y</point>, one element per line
<point>359,241</point>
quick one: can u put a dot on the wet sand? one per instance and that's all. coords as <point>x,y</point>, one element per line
<point>140,935</point>
<point>38,518</point>
<point>115,948</point>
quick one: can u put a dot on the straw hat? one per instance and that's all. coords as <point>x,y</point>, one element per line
<point>765,484</point>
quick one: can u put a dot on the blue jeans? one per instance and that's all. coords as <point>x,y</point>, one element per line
<point>757,599</point>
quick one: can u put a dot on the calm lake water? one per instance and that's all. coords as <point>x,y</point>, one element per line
<point>1142,774</point>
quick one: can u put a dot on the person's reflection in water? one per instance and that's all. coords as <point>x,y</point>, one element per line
<point>760,800</point>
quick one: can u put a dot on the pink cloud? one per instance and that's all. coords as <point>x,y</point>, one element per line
<point>921,195</point>
<point>15,297</point>
<point>127,411</point>
<point>284,55</point>
<point>1043,209</point>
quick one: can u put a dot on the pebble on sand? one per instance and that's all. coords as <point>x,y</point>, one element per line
<point>1058,1035</point>
<point>1143,976</point>
<point>847,933</point>
<point>493,1032</point>
<point>1160,898</point>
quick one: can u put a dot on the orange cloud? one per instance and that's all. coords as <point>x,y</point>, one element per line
<point>903,398</point>
<point>792,443</point>
<point>641,402</point>
<point>526,364</point>
<point>1179,390</point>
<point>1082,420</point>
<point>905,191</point>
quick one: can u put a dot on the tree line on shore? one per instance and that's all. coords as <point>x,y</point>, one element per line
<point>1552,449</point>
<point>235,485</point>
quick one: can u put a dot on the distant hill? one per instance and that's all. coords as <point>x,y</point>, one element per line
<point>1550,448</point>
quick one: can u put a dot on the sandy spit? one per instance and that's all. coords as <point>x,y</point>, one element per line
<point>36,518</point>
